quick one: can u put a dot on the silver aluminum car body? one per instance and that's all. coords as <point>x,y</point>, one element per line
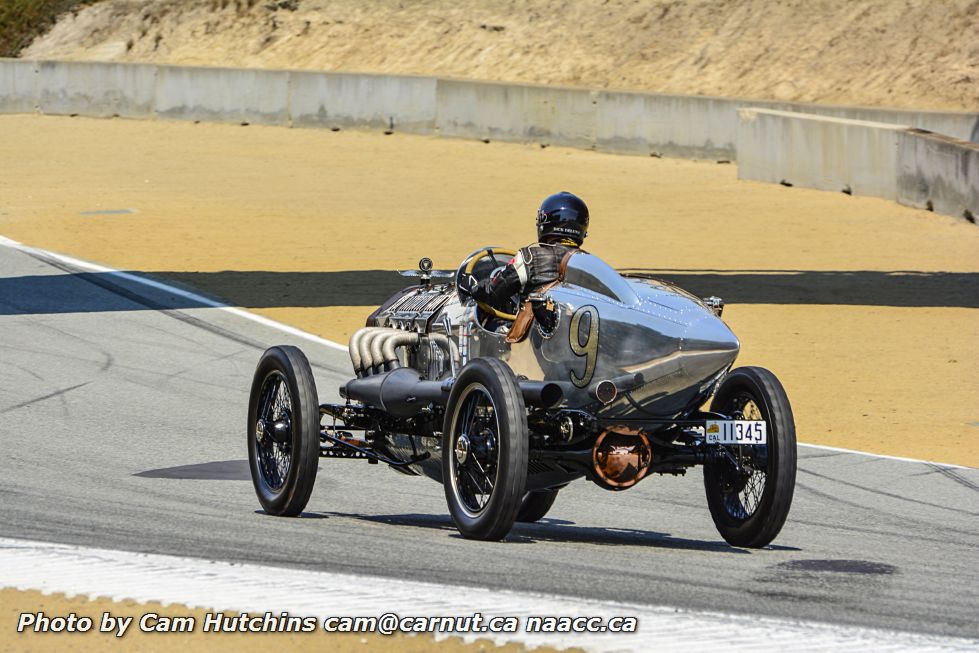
<point>607,327</point>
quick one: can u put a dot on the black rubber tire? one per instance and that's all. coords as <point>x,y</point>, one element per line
<point>496,518</point>
<point>535,505</point>
<point>304,439</point>
<point>763,525</point>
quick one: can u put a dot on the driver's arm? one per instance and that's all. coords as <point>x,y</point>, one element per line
<point>499,288</point>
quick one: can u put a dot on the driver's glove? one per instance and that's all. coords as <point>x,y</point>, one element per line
<point>468,283</point>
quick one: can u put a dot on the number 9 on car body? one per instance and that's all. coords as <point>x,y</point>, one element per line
<point>587,348</point>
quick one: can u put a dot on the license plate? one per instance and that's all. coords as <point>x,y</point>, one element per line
<point>736,431</point>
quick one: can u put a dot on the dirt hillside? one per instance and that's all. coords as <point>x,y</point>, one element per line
<point>908,53</point>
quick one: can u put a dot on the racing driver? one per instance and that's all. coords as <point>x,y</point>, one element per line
<point>562,224</point>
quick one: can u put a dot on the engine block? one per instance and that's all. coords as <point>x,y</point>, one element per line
<point>414,310</point>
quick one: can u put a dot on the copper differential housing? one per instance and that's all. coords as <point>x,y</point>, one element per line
<point>621,460</point>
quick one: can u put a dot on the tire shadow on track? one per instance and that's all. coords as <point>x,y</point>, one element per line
<point>557,531</point>
<point>219,470</point>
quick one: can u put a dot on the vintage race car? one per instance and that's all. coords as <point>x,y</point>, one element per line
<point>601,375</point>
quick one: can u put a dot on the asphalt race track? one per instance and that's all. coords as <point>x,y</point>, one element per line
<point>123,427</point>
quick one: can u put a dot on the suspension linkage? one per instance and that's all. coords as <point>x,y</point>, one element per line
<point>373,455</point>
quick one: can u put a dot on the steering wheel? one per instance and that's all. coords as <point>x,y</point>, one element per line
<point>470,264</point>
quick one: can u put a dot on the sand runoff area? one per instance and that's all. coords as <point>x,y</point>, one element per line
<point>868,311</point>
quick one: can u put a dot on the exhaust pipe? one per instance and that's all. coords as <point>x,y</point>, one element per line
<point>392,342</point>
<point>403,393</point>
<point>446,343</point>
<point>378,349</point>
<point>628,382</point>
<point>368,363</point>
<point>400,392</point>
<point>607,390</point>
<point>358,357</point>
<point>374,349</point>
<point>541,394</point>
<point>376,357</point>
<point>604,391</point>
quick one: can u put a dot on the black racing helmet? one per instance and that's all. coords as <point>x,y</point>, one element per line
<point>562,215</point>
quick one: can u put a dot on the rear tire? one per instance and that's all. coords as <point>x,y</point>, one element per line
<point>535,505</point>
<point>750,508</point>
<point>485,450</point>
<point>283,431</point>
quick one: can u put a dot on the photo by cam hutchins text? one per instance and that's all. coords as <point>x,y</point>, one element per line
<point>152,622</point>
<point>386,624</point>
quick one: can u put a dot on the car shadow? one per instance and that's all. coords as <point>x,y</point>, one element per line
<point>219,470</point>
<point>303,515</point>
<point>556,531</point>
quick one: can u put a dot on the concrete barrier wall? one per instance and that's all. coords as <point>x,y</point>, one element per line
<point>223,94</point>
<point>894,162</point>
<point>668,125</point>
<point>818,152</point>
<point>18,86</point>
<point>514,112</point>
<point>938,173</point>
<point>275,97</point>
<point>961,125</point>
<point>687,126</point>
<point>396,102</point>
<point>95,89</point>
<point>704,127</point>
<point>613,121</point>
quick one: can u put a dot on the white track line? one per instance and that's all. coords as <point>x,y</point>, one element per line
<point>159,285</point>
<point>886,457</point>
<point>209,584</point>
<point>299,333</point>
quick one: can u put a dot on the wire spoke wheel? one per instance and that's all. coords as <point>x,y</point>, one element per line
<point>275,408</point>
<point>485,450</point>
<point>283,431</point>
<point>749,488</point>
<point>475,455</point>
<point>743,490</point>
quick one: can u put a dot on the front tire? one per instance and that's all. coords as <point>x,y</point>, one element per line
<point>749,508</point>
<point>485,450</point>
<point>283,431</point>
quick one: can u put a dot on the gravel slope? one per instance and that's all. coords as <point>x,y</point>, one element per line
<point>919,53</point>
